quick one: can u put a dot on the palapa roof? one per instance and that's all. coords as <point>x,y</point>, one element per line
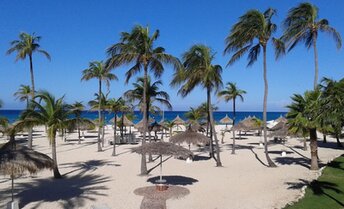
<point>226,120</point>
<point>178,121</point>
<point>139,125</point>
<point>282,132</point>
<point>279,125</point>
<point>281,119</point>
<point>156,127</point>
<point>162,148</point>
<point>126,121</point>
<point>247,124</point>
<point>190,137</point>
<point>16,159</point>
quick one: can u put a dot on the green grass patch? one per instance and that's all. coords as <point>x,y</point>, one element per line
<point>327,192</point>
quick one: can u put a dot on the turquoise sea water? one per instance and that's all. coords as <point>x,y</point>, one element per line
<point>13,115</point>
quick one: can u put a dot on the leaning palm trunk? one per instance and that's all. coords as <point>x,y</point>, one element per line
<point>233,148</point>
<point>52,133</point>
<point>79,135</point>
<point>315,61</point>
<point>114,136</point>
<point>270,162</point>
<point>212,128</point>
<point>143,156</point>
<point>99,115</point>
<point>314,148</point>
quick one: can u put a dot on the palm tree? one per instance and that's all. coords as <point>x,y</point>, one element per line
<point>203,109</point>
<point>115,106</point>
<point>254,25</point>
<point>76,109</point>
<point>97,70</point>
<point>305,114</point>
<point>49,111</point>
<point>302,24</point>
<point>194,115</point>
<point>199,70</point>
<point>153,94</point>
<point>23,94</point>
<point>26,46</point>
<point>137,47</point>
<point>333,113</point>
<point>100,103</point>
<point>231,92</point>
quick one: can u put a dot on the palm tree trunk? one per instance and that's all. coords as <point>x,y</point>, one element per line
<point>314,148</point>
<point>150,157</point>
<point>270,162</point>
<point>99,114</point>
<point>143,156</point>
<point>315,61</point>
<point>53,152</point>
<point>103,128</point>
<point>324,138</point>
<point>114,136</point>
<point>79,135</point>
<point>233,148</point>
<point>212,126</point>
<point>339,144</point>
<point>32,97</point>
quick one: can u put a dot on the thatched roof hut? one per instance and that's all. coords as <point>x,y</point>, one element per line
<point>178,121</point>
<point>226,120</point>
<point>281,119</point>
<point>126,121</point>
<point>190,137</point>
<point>248,124</point>
<point>139,125</point>
<point>162,148</point>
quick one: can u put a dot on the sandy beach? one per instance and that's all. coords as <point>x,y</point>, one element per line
<point>98,179</point>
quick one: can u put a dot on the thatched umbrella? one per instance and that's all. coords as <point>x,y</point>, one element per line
<point>126,121</point>
<point>178,121</point>
<point>281,119</point>
<point>279,125</point>
<point>16,159</point>
<point>156,127</point>
<point>139,125</point>
<point>247,124</point>
<point>162,148</point>
<point>226,120</point>
<point>190,137</point>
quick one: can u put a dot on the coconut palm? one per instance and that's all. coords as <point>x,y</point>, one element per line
<point>115,106</point>
<point>304,114</point>
<point>232,92</point>
<point>254,26</point>
<point>194,115</point>
<point>199,70</point>
<point>100,103</point>
<point>23,94</point>
<point>98,71</point>
<point>49,111</point>
<point>302,24</point>
<point>153,94</point>
<point>25,46</point>
<point>203,109</point>
<point>137,47</point>
<point>333,113</point>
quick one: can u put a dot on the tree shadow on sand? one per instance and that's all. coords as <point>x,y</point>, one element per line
<point>88,166</point>
<point>319,188</point>
<point>174,180</point>
<point>69,192</point>
<point>251,148</point>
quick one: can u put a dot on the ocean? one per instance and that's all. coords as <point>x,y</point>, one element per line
<point>12,115</point>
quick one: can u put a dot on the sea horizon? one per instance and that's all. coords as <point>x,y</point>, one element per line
<point>13,114</point>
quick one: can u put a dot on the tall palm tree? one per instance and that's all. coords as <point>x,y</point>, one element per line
<point>232,92</point>
<point>98,71</point>
<point>305,114</point>
<point>115,106</point>
<point>204,110</point>
<point>254,25</point>
<point>137,47</point>
<point>302,24</point>
<point>199,70</point>
<point>49,111</point>
<point>25,46</point>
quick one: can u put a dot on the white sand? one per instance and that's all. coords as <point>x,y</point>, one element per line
<point>97,178</point>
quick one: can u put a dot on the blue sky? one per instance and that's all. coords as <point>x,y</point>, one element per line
<point>77,32</point>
